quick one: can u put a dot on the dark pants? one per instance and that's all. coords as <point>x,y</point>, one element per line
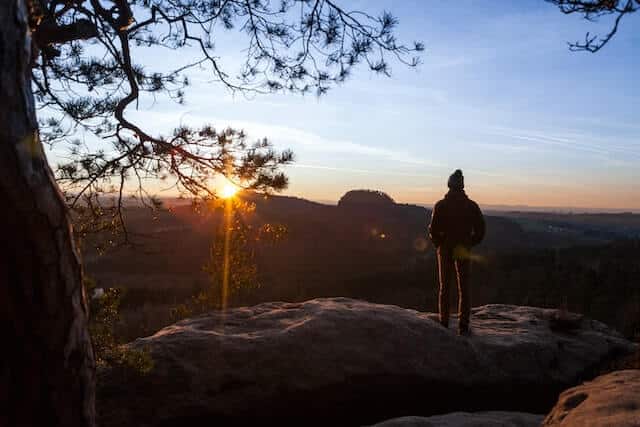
<point>450,265</point>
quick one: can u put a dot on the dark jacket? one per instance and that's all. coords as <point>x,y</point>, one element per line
<point>456,220</point>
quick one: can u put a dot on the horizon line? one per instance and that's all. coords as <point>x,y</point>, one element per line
<point>487,206</point>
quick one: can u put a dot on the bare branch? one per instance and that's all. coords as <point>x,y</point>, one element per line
<point>87,74</point>
<point>592,10</point>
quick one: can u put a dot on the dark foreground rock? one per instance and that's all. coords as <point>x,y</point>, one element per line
<point>346,362</point>
<point>466,419</point>
<point>612,400</point>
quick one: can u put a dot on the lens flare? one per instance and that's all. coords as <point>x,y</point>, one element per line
<point>461,252</point>
<point>227,243</point>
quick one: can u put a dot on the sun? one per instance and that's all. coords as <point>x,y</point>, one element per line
<point>228,191</point>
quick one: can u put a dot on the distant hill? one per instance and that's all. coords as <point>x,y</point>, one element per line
<point>365,198</point>
<point>375,251</point>
<point>367,233</point>
<point>594,226</point>
<point>326,245</point>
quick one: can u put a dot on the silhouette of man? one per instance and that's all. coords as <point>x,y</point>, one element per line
<point>456,225</point>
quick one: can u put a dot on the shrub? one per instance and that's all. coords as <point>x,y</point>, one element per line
<point>103,317</point>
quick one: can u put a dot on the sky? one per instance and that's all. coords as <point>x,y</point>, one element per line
<point>498,95</point>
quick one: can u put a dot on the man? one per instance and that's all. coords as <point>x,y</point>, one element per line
<point>456,225</point>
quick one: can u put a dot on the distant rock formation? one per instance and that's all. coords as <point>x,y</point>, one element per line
<point>365,197</point>
<point>340,361</point>
<point>467,419</point>
<point>609,400</point>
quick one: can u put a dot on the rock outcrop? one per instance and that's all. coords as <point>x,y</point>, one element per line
<point>339,361</point>
<point>612,400</point>
<point>468,419</point>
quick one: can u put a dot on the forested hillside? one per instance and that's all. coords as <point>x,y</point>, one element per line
<point>378,252</point>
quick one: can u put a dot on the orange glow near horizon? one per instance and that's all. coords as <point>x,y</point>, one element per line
<point>602,198</point>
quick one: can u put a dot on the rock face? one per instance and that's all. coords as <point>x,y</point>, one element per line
<point>466,419</point>
<point>348,362</point>
<point>612,400</point>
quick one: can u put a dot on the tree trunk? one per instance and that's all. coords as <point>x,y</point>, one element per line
<point>46,363</point>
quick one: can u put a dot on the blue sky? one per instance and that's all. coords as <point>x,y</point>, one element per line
<point>498,95</point>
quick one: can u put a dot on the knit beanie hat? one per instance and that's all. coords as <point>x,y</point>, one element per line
<point>456,180</point>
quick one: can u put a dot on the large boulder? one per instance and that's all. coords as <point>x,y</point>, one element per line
<point>342,361</point>
<point>468,419</point>
<point>612,400</point>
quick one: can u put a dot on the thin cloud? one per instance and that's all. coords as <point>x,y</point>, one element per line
<point>364,171</point>
<point>290,137</point>
<point>585,144</point>
<point>516,148</point>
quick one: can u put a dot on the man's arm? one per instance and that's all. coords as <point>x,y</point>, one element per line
<point>479,227</point>
<point>435,228</point>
